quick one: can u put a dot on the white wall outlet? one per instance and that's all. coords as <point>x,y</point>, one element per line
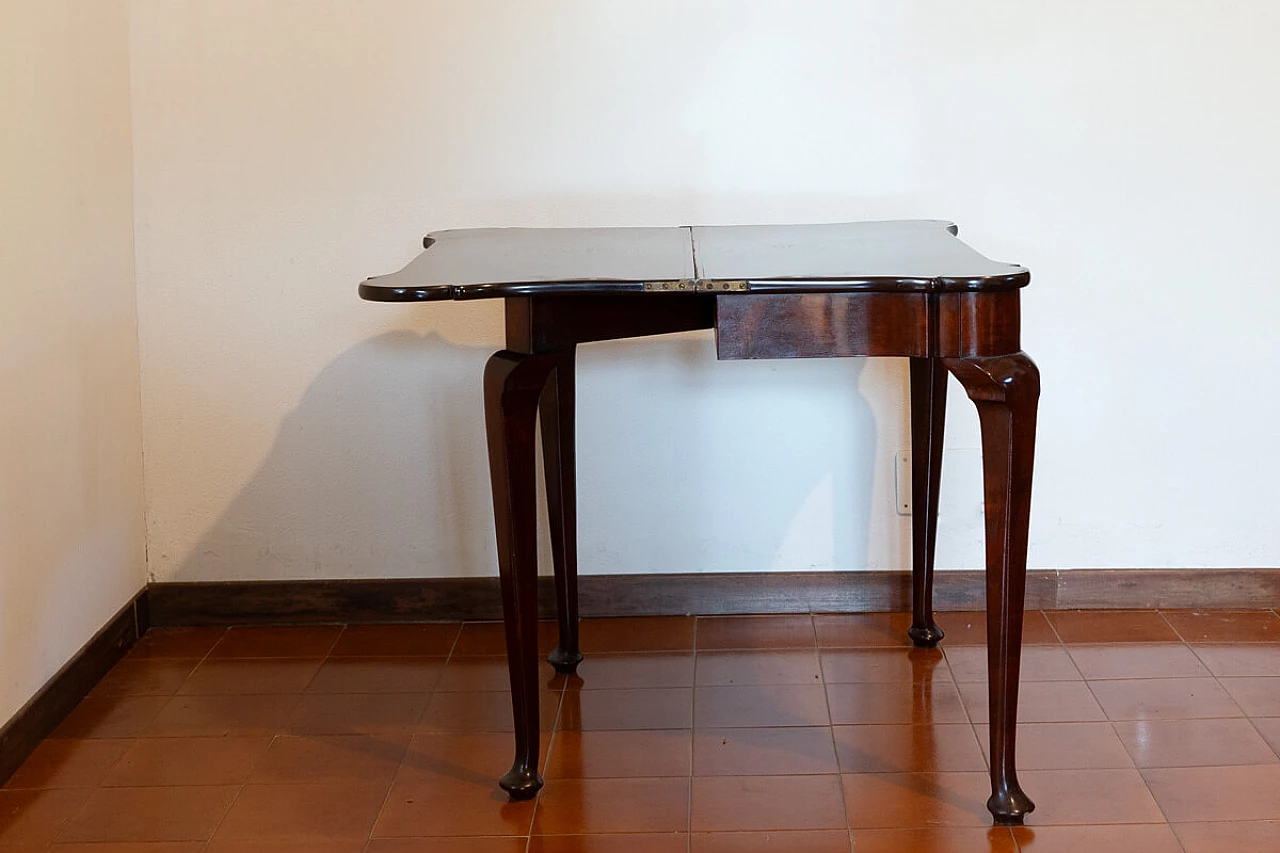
<point>902,480</point>
<point>961,492</point>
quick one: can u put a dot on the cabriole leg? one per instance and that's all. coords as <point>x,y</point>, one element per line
<point>928,416</point>
<point>513,384</point>
<point>1006,390</point>
<point>557,416</point>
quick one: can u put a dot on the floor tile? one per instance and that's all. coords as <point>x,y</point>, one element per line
<point>150,814</point>
<point>1039,663</point>
<point>377,675</point>
<point>1164,699</point>
<point>222,715</point>
<point>260,845</point>
<point>356,713</point>
<point>785,666</point>
<point>127,847</point>
<point>1216,793</point>
<point>176,643</point>
<point>627,732</point>
<point>1269,728</point>
<point>846,630</point>
<point>1225,626</point>
<point>145,677</point>
<point>810,841</point>
<point>425,804</point>
<point>1088,797</point>
<point>1240,660</point>
<point>764,751</point>
<point>324,811</point>
<point>304,641</point>
<point>791,631</point>
<point>1112,626</point>
<point>939,840</point>
<point>766,803</point>
<point>34,817</point>
<point>1194,743</point>
<point>895,702</point>
<point>1261,835</point>
<point>632,669</point>
<point>188,761</point>
<point>488,674</point>
<point>445,845</point>
<point>908,749</point>
<point>482,712</point>
<point>846,666</point>
<point>332,758</point>
<point>591,806</point>
<point>606,754</point>
<point>760,705</point>
<point>649,634</point>
<point>1258,697</point>
<point>489,639</point>
<point>648,708</point>
<point>919,800</point>
<point>1137,660</point>
<point>241,676</point>
<point>1066,746</point>
<point>969,628</point>
<point>651,842</point>
<point>68,763</point>
<point>477,758</point>
<point>1123,838</point>
<point>423,640</point>
<point>1039,702</point>
<point>111,716</point>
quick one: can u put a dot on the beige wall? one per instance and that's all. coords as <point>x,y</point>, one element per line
<point>285,150</point>
<point>71,503</point>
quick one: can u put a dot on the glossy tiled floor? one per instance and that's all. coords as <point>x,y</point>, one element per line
<point>1143,732</point>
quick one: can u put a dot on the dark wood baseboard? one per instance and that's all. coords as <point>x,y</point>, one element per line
<point>42,714</point>
<point>469,599</point>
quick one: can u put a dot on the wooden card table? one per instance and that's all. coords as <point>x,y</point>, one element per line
<point>862,289</point>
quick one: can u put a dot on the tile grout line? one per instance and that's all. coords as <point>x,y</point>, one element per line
<point>1052,627</point>
<point>831,728</point>
<point>1221,686</point>
<point>693,716</point>
<point>1143,776</point>
<point>551,741</point>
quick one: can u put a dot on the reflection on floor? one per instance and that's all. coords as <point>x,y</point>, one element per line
<point>1143,732</point>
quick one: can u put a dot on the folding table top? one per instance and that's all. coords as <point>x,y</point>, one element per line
<point>899,256</point>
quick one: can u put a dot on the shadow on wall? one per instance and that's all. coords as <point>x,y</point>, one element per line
<point>686,464</point>
<point>379,471</point>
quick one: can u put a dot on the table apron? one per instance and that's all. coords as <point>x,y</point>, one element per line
<point>814,325</point>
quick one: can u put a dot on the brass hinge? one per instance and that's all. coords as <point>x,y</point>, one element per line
<point>682,284</point>
<point>696,285</point>
<point>719,286</point>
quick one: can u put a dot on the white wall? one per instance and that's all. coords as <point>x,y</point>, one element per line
<point>1125,152</point>
<point>71,508</point>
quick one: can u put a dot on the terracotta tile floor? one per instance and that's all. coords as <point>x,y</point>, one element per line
<point>1144,732</point>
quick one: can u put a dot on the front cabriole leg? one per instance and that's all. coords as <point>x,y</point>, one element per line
<point>1005,390</point>
<point>513,384</point>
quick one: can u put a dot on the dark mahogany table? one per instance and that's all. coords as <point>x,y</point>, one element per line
<point>860,289</point>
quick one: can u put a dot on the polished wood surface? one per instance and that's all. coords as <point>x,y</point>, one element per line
<point>928,419</point>
<point>912,256</point>
<point>513,385</point>
<point>1006,390</point>
<point>856,289</point>
<point>821,325</point>
<point>556,418</point>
